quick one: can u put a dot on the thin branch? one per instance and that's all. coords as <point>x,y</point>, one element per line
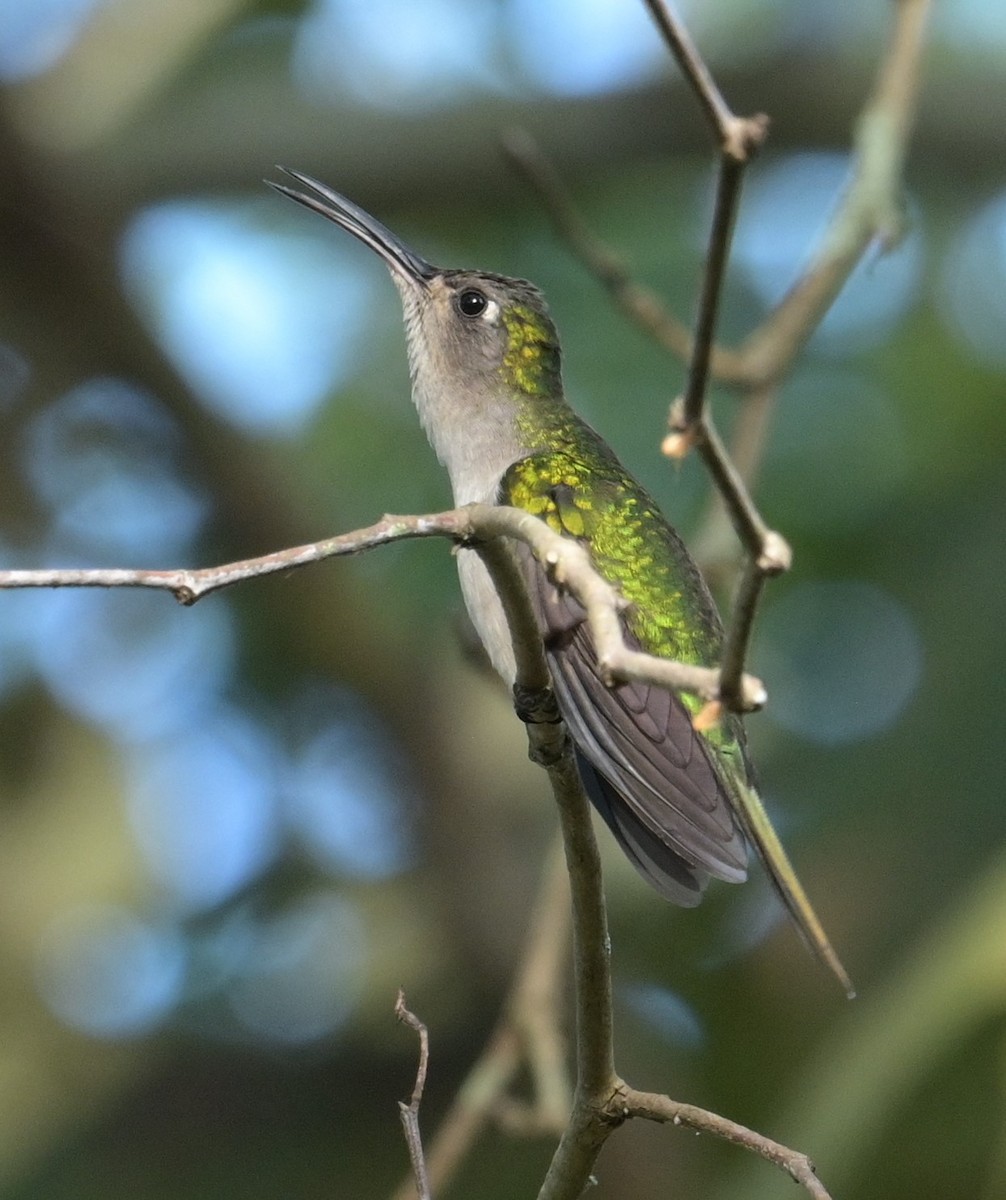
<point>528,1031</point>
<point>409,1110</point>
<point>639,303</point>
<point>869,212</point>
<point>535,1005</point>
<point>739,139</point>
<point>767,553</point>
<point>738,636</point>
<point>686,55</point>
<point>653,1107</point>
<point>189,585</point>
<point>713,546</point>
<point>471,1110</point>
<point>728,191</point>
<point>567,561</point>
<point>748,524</point>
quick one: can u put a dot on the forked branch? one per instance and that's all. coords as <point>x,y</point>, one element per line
<point>408,1110</point>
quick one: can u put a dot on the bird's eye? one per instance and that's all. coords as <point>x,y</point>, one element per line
<point>472,303</point>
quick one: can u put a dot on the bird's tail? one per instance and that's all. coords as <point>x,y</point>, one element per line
<point>760,832</point>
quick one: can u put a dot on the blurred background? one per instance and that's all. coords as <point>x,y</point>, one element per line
<point>227,834</point>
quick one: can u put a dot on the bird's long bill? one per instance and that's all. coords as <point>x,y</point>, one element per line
<point>402,259</point>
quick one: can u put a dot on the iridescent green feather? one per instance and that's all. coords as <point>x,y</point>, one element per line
<point>582,490</point>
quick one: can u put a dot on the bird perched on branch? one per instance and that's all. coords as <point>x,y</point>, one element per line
<point>486,381</point>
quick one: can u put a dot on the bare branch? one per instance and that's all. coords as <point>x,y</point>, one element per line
<point>738,639</point>
<point>409,1111</point>
<point>568,562</point>
<point>653,1107</point>
<point>535,1005</point>
<point>188,586</point>
<point>739,137</point>
<point>728,190</point>
<point>639,303</point>
<point>715,543</point>
<point>766,552</point>
<point>529,1031</point>
<point>869,211</point>
<point>471,1110</point>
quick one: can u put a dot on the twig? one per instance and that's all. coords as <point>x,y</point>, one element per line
<point>639,303</point>
<point>767,553</point>
<point>739,139</point>
<point>471,1110</point>
<point>738,637</point>
<point>869,211</point>
<point>653,1107</point>
<point>409,1110</point>
<point>728,190</point>
<point>529,1031</point>
<point>738,135</point>
<point>535,1005</point>
<point>189,585</point>
<point>568,562</point>
<point>713,546</point>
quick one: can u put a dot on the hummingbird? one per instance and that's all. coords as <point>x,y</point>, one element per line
<point>484,359</point>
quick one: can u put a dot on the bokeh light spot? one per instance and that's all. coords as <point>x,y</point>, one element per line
<point>134,662</point>
<point>669,1014</point>
<point>787,206</point>
<point>973,281</point>
<point>35,34</point>
<point>439,49</point>
<point>203,808</point>
<point>107,973</point>
<point>575,48</point>
<point>104,459</point>
<point>977,27</point>
<point>303,976</point>
<point>843,659</point>
<point>15,373</point>
<point>261,324</point>
<point>347,791</point>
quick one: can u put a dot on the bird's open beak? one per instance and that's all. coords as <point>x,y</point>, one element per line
<point>404,261</point>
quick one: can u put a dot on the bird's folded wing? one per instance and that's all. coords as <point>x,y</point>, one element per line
<point>654,782</point>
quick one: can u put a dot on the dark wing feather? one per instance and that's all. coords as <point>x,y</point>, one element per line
<point>644,767</point>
